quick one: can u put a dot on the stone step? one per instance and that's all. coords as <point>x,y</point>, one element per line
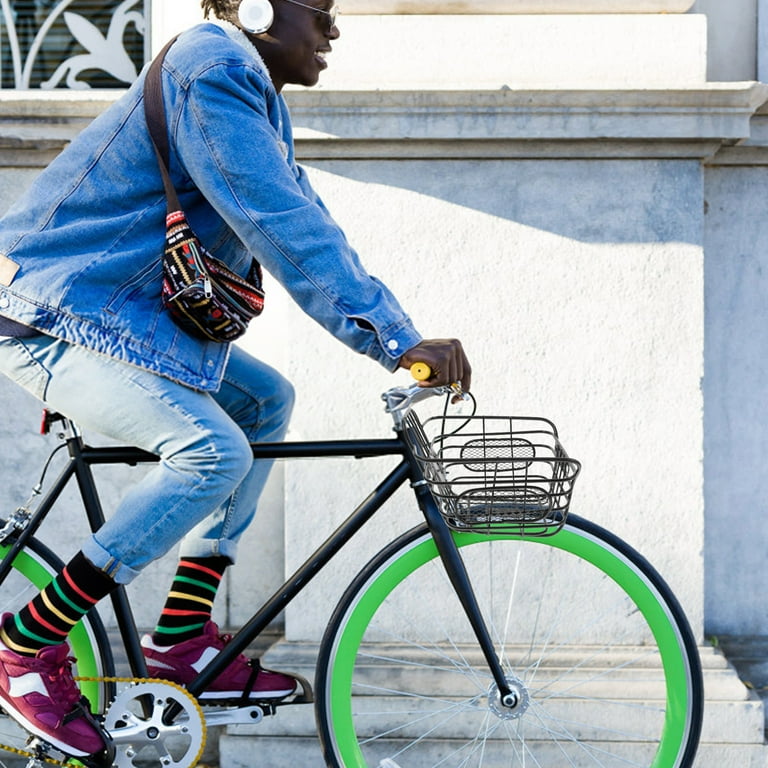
<point>289,752</point>
<point>729,722</point>
<point>749,656</point>
<point>732,733</point>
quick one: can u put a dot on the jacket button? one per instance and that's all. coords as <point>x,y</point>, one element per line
<point>392,345</point>
<point>5,302</point>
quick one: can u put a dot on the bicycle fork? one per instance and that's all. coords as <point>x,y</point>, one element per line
<point>457,573</point>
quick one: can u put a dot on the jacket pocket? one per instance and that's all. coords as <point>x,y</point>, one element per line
<point>150,277</point>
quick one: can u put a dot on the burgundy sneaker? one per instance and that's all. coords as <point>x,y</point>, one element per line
<point>40,694</point>
<point>243,678</point>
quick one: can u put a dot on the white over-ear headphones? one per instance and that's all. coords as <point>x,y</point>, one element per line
<point>256,16</point>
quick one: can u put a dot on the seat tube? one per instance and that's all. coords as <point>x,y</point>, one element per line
<point>457,573</point>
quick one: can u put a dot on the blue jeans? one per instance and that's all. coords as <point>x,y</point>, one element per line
<point>206,486</point>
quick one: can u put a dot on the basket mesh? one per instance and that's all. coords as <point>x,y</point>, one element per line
<point>495,473</point>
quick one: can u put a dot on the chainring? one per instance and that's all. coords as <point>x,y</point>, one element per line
<point>135,722</point>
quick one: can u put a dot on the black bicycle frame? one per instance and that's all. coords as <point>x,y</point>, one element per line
<point>83,457</point>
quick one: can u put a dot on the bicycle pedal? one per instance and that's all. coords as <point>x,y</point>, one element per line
<point>45,754</point>
<point>41,750</point>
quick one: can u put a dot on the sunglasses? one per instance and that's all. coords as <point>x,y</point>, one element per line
<point>330,16</point>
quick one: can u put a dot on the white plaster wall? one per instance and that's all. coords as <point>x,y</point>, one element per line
<point>576,285</point>
<point>518,51</point>
<point>516,6</point>
<point>577,288</point>
<point>731,40</point>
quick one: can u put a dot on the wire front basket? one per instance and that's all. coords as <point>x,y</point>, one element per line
<point>495,474</point>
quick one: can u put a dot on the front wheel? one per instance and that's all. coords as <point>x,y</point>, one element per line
<point>593,642</point>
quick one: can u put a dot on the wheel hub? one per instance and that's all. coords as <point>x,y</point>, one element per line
<point>513,705</point>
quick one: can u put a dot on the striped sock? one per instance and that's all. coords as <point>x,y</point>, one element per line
<point>190,601</point>
<point>48,618</point>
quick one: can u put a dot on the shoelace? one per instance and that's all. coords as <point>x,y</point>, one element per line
<point>222,640</point>
<point>62,686</point>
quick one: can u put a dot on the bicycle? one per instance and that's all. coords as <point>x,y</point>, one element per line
<point>553,643</point>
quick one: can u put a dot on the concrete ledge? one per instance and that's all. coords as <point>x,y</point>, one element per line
<point>721,111</point>
<point>690,122</point>
<point>751,151</point>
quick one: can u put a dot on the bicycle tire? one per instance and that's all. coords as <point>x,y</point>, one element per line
<point>34,567</point>
<point>398,688</point>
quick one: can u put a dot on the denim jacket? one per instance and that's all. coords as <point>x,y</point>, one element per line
<point>80,252</point>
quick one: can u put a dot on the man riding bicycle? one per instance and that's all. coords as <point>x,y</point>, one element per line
<point>84,329</point>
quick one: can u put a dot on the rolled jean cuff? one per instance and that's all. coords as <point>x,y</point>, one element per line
<point>119,572</point>
<point>209,548</point>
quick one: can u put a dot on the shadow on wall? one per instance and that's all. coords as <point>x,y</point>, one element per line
<point>592,201</point>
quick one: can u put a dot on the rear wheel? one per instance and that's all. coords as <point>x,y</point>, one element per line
<point>594,643</point>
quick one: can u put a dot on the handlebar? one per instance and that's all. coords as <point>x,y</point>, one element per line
<point>399,400</point>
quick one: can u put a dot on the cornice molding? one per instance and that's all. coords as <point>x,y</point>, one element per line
<point>691,122</point>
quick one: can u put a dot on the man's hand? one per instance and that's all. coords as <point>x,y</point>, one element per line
<point>447,360</point>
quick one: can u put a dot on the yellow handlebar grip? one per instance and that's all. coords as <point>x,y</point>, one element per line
<point>421,371</point>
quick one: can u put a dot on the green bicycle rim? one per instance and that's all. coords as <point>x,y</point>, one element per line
<point>584,545</point>
<point>79,639</point>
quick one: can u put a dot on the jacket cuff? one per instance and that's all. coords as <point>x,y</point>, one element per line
<point>393,344</point>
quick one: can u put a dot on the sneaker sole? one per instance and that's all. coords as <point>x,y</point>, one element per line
<point>210,695</point>
<point>21,720</point>
<point>234,695</point>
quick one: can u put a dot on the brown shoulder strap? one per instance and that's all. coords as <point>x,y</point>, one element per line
<point>154,112</point>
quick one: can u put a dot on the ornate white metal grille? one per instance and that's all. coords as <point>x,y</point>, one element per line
<point>71,43</point>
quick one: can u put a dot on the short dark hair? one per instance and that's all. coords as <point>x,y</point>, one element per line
<point>222,9</point>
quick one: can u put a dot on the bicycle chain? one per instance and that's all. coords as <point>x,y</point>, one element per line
<point>73,762</point>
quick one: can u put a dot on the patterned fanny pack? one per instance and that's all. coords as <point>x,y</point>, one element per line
<point>204,296</point>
